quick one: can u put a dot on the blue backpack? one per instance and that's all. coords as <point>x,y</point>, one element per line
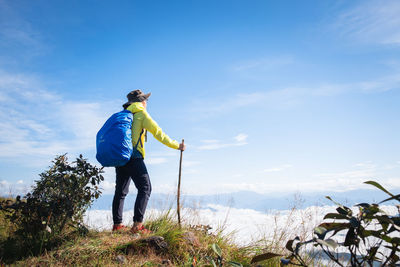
<point>114,140</point>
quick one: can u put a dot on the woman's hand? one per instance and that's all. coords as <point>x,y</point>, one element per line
<point>182,146</point>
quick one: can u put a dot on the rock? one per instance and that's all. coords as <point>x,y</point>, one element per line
<point>120,259</point>
<point>191,238</point>
<point>155,243</point>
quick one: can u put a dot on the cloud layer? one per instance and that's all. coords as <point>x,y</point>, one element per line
<point>239,140</point>
<point>36,122</point>
<point>372,21</point>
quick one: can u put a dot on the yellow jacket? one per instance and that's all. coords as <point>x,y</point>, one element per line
<point>143,121</point>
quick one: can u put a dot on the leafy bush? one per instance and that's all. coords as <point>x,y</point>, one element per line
<point>57,203</point>
<point>370,237</point>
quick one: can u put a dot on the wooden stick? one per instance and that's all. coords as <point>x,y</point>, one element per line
<point>179,188</point>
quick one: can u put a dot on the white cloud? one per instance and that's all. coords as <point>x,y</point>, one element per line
<point>227,104</point>
<point>83,120</point>
<point>245,226</point>
<point>372,21</point>
<point>319,185</point>
<point>279,168</point>
<point>4,183</point>
<point>239,140</point>
<point>241,137</point>
<point>289,97</point>
<point>155,161</point>
<point>367,164</point>
<point>350,175</point>
<point>210,141</point>
<point>107,187</point>
<point>276,180</point>
<point>38,123</point>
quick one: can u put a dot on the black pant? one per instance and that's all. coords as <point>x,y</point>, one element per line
<point>136,170</point>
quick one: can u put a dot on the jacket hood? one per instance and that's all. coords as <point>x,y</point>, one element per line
<point>135,107</point>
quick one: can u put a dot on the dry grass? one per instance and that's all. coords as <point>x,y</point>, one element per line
<point>102,248</point>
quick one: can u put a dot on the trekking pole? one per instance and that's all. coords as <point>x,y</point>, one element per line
<point>179,188</point>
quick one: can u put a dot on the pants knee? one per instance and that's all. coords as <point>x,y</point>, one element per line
<point>145,188</point>
<point>121,193</point>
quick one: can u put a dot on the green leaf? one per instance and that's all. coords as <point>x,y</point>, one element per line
<point>365,233</point>
<point>334,226</point>
<point>329,243</point>
<point>235,264</point>
<point>344,210</point>
<point>371,211</point>
<point>320,231</point>
<point>263,257</point>
<point>351,238</point>
<point>396,240</point>
<point>335,216</point>
<point>386,238</point>
<point>372,252</point>
<point>396,223</point>
<point>385,221</point>
<point>379,186</point>
<point>289,244</point>
<point>364,205</point>
<point>216,249</point>
<point>337,203</point>
<point>397,197</point>
<point>354,222</point>
<point>376,233</point>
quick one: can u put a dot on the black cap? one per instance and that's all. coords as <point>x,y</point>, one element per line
<point>136,96</point>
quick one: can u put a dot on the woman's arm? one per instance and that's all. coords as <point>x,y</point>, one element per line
<point>150,125</point>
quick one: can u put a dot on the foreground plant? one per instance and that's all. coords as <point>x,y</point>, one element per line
<point>57,202</point>
<point>219,260</point>
<point>370,237</point>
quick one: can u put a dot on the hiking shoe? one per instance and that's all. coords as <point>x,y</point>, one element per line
<point>140,230</point>
<point>118,227</point>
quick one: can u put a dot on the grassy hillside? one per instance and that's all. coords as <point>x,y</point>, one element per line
<point>168,245</point>
<point>185,246</point>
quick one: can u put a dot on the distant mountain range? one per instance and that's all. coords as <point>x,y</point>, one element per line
<point>252,200</point>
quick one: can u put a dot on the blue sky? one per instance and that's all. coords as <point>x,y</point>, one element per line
<point>270,96</point>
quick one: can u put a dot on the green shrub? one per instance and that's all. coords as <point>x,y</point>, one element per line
<point>56,204</point>
<point>370,237</point>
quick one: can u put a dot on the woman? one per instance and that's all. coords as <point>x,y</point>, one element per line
<point>135,169</point>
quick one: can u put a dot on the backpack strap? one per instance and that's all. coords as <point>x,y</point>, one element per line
<point>140,136</point>
<point>139,141</point>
